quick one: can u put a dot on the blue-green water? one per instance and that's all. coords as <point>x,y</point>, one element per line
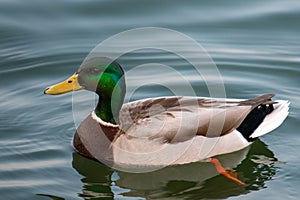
<point>255,44</point>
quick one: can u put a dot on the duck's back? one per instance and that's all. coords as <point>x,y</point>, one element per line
<point>176,119</point>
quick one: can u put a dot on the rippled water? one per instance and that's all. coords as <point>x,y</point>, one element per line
<point>254,44</point>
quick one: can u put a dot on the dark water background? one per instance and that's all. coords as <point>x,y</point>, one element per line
<point>255,44</point>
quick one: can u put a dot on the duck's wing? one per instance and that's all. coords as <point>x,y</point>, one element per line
<point>176,119</point>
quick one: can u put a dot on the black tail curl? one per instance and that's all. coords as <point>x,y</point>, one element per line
<point>254,119</point>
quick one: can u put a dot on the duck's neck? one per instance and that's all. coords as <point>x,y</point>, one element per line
<point>109,106</point>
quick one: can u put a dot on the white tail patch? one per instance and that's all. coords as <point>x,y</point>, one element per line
<point>274,119</point>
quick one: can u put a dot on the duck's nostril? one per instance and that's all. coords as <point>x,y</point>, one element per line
<point>70,81</point>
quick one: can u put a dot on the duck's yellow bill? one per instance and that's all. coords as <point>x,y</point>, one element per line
<point>71,84</point>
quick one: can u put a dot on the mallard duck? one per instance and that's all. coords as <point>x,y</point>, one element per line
<point>165,130</point>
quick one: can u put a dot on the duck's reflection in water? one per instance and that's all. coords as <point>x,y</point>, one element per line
<point>254,166</point>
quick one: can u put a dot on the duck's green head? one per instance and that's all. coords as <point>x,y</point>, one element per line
<point>102,76</point>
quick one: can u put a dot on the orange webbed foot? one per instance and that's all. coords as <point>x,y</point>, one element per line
<point>227,172</point>
<point>231,172</point>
